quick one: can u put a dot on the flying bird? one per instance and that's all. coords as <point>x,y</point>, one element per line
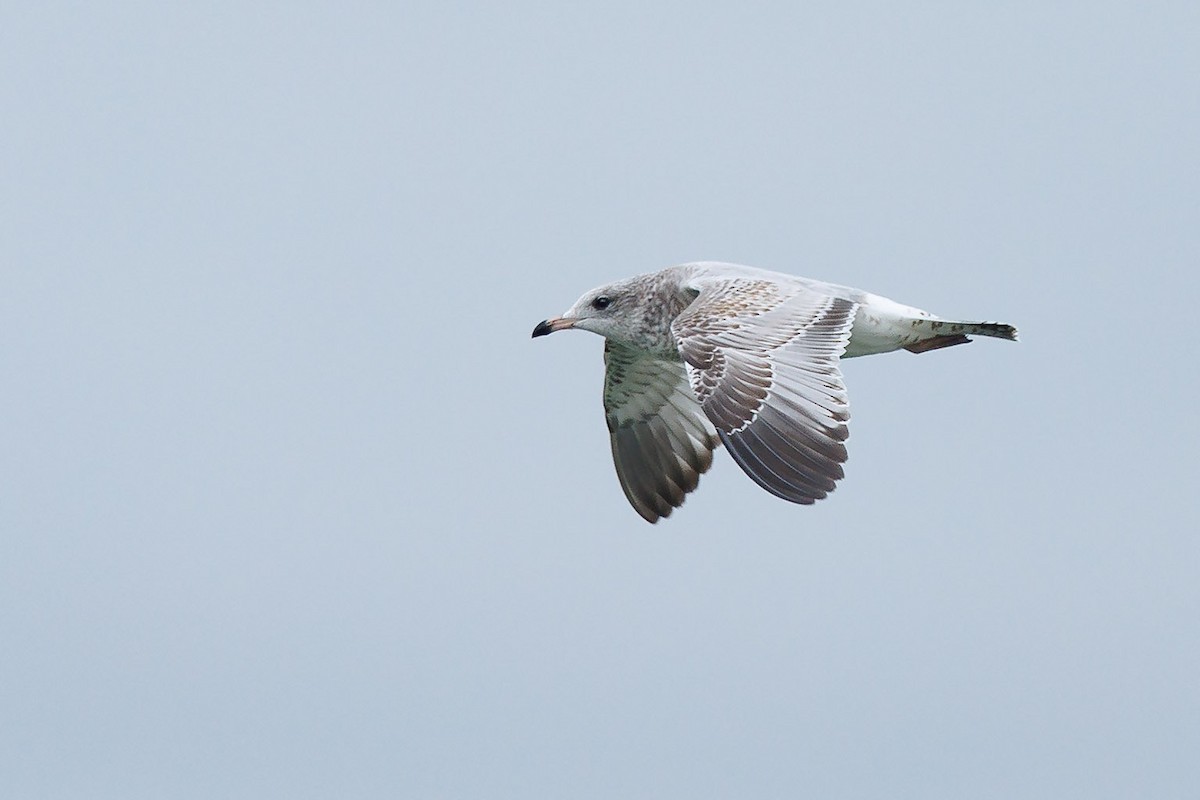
<point>709,353</point>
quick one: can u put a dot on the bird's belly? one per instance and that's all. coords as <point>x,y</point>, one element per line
<point>881,326</point>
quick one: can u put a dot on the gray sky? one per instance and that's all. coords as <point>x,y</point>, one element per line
<point>292,506</point>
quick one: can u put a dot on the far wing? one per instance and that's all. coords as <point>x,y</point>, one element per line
<point>763,361</point>
<point>661,440</point>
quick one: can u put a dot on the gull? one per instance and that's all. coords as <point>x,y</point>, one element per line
<point>708,353</point>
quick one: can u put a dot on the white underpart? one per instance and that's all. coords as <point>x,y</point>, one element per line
<point>882,325</point>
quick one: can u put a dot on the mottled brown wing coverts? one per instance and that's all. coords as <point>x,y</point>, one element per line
<point>761,376</point>
<point>763,362</point>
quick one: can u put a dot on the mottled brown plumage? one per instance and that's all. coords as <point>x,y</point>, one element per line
<point>710,353</point>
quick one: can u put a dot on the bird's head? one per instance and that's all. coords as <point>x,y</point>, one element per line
<point>612,311</point>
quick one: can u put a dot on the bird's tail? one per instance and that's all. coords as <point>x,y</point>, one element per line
<point>947,333</point>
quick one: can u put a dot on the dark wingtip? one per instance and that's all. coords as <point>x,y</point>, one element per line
<point>542,329</point>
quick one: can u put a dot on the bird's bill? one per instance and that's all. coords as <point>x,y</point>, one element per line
<point>553,324</point>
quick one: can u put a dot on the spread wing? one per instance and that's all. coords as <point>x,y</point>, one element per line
<point>661,441</point>
<point>763,361</point>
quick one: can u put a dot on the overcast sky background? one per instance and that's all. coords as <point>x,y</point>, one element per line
<point>292,506</point>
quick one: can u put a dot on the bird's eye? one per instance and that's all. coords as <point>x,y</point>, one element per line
<point>601,302</point>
